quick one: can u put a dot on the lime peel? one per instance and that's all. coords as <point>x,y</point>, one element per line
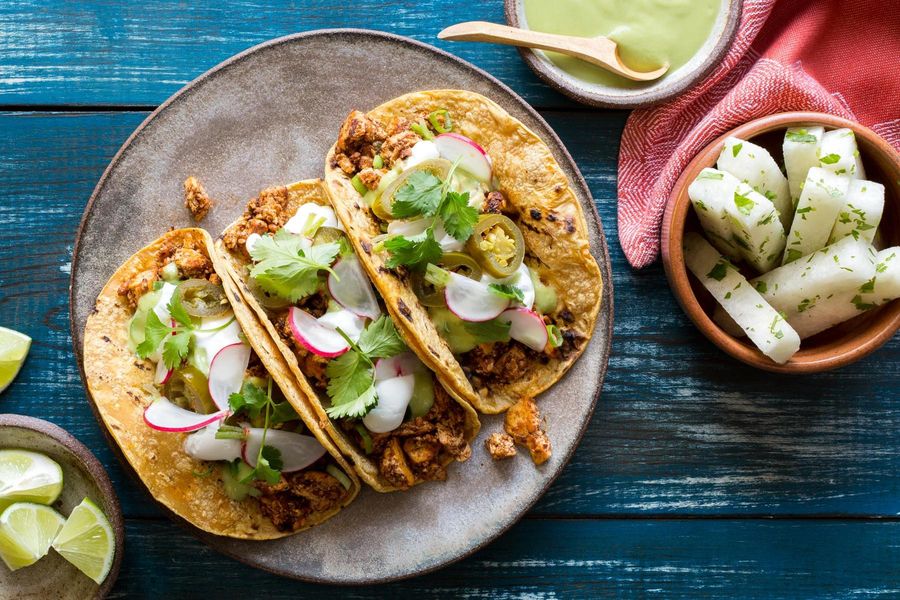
<point>87,541</point>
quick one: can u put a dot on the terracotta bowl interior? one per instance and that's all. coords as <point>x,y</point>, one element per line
<point>835,347</point>
<point>654,92</point>
<point>83,476</point>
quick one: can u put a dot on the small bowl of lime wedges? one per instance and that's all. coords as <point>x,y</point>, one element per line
<point>61,532</point>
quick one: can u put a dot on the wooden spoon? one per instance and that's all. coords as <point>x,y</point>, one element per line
<point>600,51</point>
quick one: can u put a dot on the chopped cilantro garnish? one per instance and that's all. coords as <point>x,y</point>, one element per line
<point>287,268</point>
<point>718,272</point>
<point>801,136</point>
<point>868,287</point>
<point>761,287</point>
<point>459,218</point>
<point>743,203</point>
<point>736,149</point>
<point>710,174</point>
<point>830,159</point>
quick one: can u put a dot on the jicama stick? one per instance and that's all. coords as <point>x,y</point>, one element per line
<point>838,153</point>
<point>765,327</point>
<point>709,193</point>
<point>840,267</point>
<point>822,198</point>
<point>757,230</point>
<point>861,212</point>
<point>883,287</point>
<point>754,165</point>
<point>800,155</point>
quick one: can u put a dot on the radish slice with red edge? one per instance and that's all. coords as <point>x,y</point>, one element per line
<point>472,300</point>
<point>526,326</point>
<point>163,415</point>
<point>316,337</point>
<point>350,288</point>
<point>226,372</point>
<point>404,363</point>
<point>298,451</point>
<point>393,397</point>
<point>472,157</point>
<point>162,373</point>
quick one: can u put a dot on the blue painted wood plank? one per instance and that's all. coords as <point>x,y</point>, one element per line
<point>571,559</point>
<point>680,428</point>
<point>102,52</point>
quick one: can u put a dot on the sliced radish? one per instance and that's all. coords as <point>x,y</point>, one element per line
<point>162,415</point>
<point>350,323</point>
<point>393,397</point>
<point>214,334</point>
<point>204,445</point>
<point>526,326</point>
<point>226,373</point>
<point>472,300</point>
<point>405,363</point>
<point>350,287</point>
<point>409,228</point>
<point>472,158</point>
<point>318,338</point>
<point>297,451</point>
<point>162,373</point>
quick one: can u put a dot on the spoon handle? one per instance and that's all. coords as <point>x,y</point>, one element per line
<point>482,31</point>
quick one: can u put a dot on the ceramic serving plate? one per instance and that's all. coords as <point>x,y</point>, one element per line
<point>83,476</point>
<point>268,116</point>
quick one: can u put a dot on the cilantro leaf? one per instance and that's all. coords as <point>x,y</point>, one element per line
<point>351,386</point>
<point>488,331</point>
<point>718,272</point>
<point>380,339</point>
<point>282,412</point>
<point>413,252</point>
<point>154,333</point>
<point>176,348</point>
<point>736,149</point>
<point>176,309</point>
<point>459,218</point>
<point>801,136</point>
<point>830,159</point>
<point>286,268</point>
<point>505,290</point>
<point>743,203</point>
<point>268,466</point>
<point>251,400</point>
<point>420,195</point>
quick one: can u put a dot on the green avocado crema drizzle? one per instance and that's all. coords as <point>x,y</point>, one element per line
<point>649,33</point>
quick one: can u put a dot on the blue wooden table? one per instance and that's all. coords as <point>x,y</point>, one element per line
<point>698,476</point>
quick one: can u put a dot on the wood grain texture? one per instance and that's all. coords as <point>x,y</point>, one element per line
<point>680,428</point>
<point>103,52</point>
<point>571,559</point>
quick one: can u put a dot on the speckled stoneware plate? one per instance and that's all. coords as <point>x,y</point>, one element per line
<point>268,116</point>
<point>83,476</point>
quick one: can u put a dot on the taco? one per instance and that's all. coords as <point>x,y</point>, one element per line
<point>474,237</point>
<point>199,400</point>
<point>380,404</point>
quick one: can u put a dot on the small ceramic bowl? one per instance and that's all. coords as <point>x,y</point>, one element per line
<point>653,92</point>
<point>834,347</point>
<point>83,476</point>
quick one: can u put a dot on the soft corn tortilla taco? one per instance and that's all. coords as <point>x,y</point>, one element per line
<point>448,179</point>
<point>409,429</point>
<point>124,387</point>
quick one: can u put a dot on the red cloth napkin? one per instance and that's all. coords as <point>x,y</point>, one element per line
<point>835,56</point>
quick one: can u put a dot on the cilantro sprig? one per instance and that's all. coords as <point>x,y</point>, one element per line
<point>351,376</point>
<point>253,401</point>
<point>175,337</point>
<point>426,195</point>
<point>287,267</point>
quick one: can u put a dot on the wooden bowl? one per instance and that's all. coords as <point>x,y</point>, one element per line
<point>83,476</point>
<point>652,92</point>
<point>835,347</point>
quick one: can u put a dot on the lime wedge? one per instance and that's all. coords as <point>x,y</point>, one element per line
<point>28,477</point>
<point>87,541</point>
<point>13,350</point>
<point>26,531</point>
